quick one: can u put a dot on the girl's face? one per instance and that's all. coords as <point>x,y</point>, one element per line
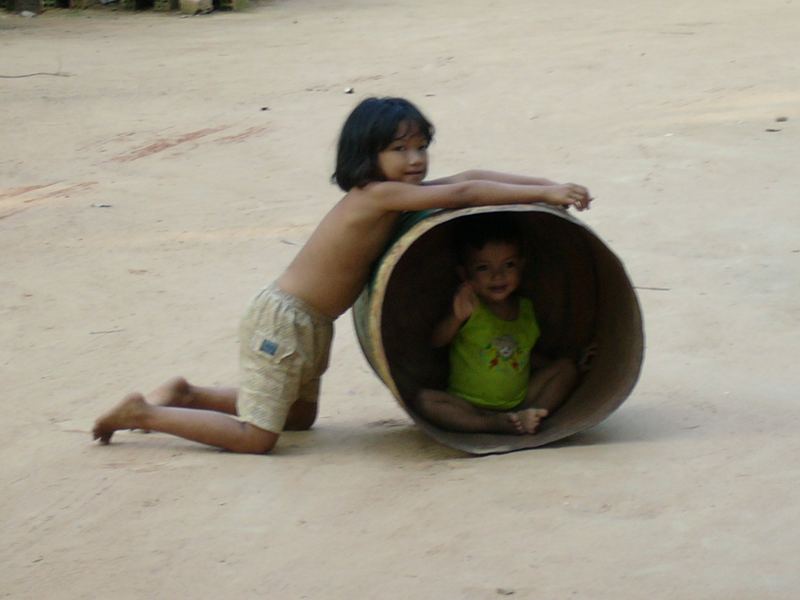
<point>406,158</point>
<point>494,271</point>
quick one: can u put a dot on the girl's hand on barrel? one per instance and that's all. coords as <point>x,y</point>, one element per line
<point>568,194</point>
<point>464,302</point>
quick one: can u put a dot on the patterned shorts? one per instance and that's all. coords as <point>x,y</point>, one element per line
<point>284,349</point>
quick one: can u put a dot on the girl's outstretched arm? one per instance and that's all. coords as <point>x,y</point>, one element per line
<point>397,196</point>
<point>480,174</point>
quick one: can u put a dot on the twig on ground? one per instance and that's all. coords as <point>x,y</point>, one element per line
<point>59,74</point>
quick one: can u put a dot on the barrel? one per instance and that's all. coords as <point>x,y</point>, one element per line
<point>581,295</point>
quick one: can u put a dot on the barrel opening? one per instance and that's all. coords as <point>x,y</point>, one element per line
<point>581,295</point>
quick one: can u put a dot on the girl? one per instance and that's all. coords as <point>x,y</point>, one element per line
<point>286,332</point>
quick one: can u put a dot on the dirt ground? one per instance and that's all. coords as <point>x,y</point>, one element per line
<point>173,166</point>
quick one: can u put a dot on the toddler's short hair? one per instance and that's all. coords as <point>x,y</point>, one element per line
<point>369,129</point>
<point>473,232</point>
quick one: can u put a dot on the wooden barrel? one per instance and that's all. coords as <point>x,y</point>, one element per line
<point>580,292</point>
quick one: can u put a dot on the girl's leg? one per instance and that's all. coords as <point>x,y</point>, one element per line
<point>301,416</point>
<point>204,426</point>
<point>551,385</point>
<point>456,414</point>
<point>179,393</point>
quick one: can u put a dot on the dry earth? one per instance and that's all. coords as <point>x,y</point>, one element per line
<point>666,110</point>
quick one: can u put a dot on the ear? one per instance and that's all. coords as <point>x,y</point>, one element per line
<point>462,272</point>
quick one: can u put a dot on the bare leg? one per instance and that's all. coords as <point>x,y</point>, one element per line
<point>551,385</point>
<point>301,416</point>
<point>179,393</point>
<point>456,414</point>
<point>204,426</point>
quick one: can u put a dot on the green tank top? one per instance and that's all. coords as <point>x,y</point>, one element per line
<point>490,358</point>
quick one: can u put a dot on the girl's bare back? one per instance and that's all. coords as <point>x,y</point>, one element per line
<point>331,269</point>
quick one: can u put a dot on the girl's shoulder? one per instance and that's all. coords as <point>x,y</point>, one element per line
<point>377,189</point>
<point>369,194</point>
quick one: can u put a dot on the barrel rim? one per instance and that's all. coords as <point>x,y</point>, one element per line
<point>377,291</point>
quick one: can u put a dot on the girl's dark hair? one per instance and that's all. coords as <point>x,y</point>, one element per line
<point>473,232</point>
<point>369,129</point>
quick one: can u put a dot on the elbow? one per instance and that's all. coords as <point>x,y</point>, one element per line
<point>469,175</point>
<point>442,338</point>
<point>469,193</point>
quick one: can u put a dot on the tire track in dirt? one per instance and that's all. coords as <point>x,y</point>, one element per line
<point>166,144</point>
<point>14,201</point>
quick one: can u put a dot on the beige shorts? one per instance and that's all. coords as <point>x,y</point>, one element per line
<point>284,349</point>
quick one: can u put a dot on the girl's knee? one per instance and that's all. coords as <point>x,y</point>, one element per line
<point>257,440</point>
<point>302,415</point>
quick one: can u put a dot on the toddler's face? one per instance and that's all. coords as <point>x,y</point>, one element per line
<point>494,271</point>
<point>406,158</point>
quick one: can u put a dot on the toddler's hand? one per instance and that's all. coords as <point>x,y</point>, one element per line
<point>464,302</point>
<point>568,194</point>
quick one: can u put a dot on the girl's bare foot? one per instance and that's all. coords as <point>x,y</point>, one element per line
<point>128,414</point>
<point>174,392</point>
<point>531,418</point>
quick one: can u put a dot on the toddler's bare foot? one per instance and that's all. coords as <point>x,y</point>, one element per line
<point>530,419</point>
<point>511,423</point>
<point>128,414</point>
<point>507,422</point>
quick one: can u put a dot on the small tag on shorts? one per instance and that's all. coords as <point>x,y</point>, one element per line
<point>268,347</point>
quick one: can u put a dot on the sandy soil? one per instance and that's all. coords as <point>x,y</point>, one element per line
<point>664,109</point>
